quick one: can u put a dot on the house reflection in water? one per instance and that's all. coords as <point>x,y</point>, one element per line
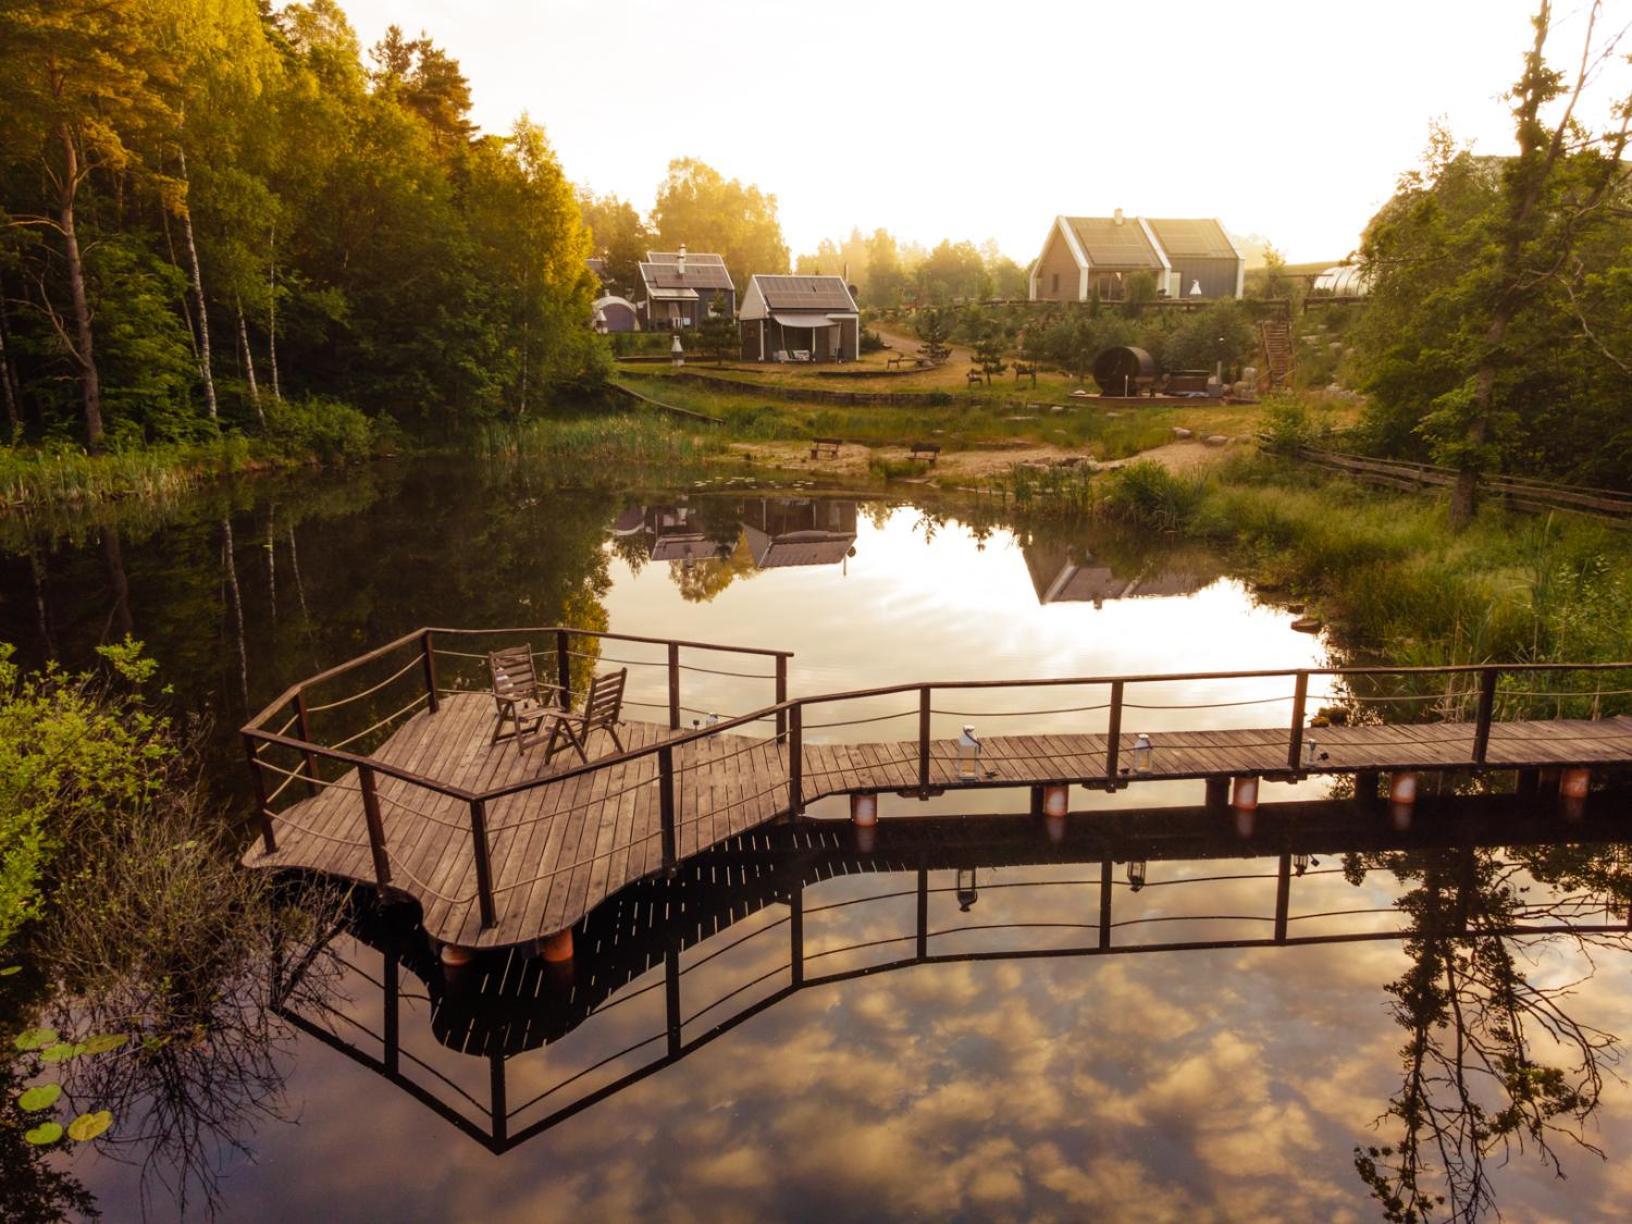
<point>1072,573</point>
<point>763,533</point>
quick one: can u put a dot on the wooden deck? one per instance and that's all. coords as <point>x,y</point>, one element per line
<point>556,850</point>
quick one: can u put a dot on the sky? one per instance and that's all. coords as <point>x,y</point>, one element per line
<point>1290,119</point>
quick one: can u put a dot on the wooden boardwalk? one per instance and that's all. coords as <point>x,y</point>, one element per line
<point>556,849</point>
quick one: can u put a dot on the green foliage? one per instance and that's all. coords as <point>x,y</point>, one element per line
<point>935,329</point>
<point>1147,494</point>
<point>700,207</point>
<point>315,426</point>
<point>72,747</point>
<point>41,1096</point>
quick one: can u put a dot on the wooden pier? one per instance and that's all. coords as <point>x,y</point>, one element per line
<point>500,849</point>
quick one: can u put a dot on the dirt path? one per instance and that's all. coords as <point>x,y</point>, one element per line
<point>854,458</point>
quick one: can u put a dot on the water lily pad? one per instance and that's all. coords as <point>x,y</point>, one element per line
<point>44,1134</point>
<point>35,1038</point>
<point>10,969</point>
<point>41,1096</point>
<point>103,1042</point>
<point>89,1125</point>
<point>61,1052</point>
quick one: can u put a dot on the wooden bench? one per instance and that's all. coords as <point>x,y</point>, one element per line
<point>825,447</point>
<point>927,451</point>
<point>894,363</point>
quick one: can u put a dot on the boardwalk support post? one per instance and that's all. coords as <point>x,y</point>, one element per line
<point>781,696</point>
<point>864,810</point>
<point>1300,698</point>
<point>268,843</point>
<point>1283,896</point>
<point>1487,708</point>
<point>1244,794</point>
<point>923,740</point>
<point>484,866</point>
<point>796,761</point>
<point>1402,788</point>
<point>665,801</point>
<point>1218,792</point>
<point>427,657</point>
<point>563,669</point>
<point>1575,783</point>
<point>376,828</point>
<point>1105,903</point>
<point>303,723</point>
<point>1113,735</point>
<point>674,686</point>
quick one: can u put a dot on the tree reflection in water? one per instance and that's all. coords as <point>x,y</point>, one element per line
<point>1493,1061</point>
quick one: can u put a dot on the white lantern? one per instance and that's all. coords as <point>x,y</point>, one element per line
<point>1311,750</point>
<point>1136,875</point>
<point>968,754</point>
<point>1143,754</point>
<point>967,892</point>
<point>676,353</point>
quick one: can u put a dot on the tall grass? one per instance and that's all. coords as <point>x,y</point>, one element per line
<point>46,477</point>
<point>590,447</point>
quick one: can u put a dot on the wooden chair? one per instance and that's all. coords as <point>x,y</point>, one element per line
<point>603,709</point>
<point>521,700</point>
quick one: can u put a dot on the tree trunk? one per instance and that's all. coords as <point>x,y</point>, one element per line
<point>249,363</point>
<point>272,313</point>
<point>235,603</point>
<point>114,558</point>
<point>90,385</point>
<point>198,297</point>
<point>7,382</point>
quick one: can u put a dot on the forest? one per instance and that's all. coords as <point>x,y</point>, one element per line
<point>217,216</point>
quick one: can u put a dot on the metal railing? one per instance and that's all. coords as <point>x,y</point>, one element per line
<point>664,764</point>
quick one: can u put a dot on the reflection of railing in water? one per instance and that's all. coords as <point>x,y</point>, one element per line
<point>788,769</point>
<point>519,1005</point>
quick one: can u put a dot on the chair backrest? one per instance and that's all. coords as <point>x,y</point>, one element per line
<point>513,672</point>
<point>604,703</point>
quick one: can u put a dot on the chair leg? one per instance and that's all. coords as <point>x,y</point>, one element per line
<point>613,732</point>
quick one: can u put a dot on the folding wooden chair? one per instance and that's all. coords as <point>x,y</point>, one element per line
<point>520,699</point>
<point>603,708</point>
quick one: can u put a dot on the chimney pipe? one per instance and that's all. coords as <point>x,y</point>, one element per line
<point>680,262</point>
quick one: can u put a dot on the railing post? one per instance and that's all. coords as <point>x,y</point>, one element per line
<point>427,649</point>
<point>484,868</point>
<point>923,914</point>
<point>674,686</point>
<point>1113,734</point>
<point>781,696</point>
<point>923,737</point>
<point>376,828</point>
<point>304,726</point>
<point>796,931</point>
<point>563,668</point>
<point>665,794</point>
<point>796,760</point>
<point>252,750</point>
<point>1488,679</point>
<point>1300,699</point>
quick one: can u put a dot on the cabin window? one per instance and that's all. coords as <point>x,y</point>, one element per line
<point>1056,288</point>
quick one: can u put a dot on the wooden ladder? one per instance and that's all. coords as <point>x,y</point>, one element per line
<point>1275,335</point>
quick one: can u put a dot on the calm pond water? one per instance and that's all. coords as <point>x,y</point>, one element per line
<point>970,1019</point>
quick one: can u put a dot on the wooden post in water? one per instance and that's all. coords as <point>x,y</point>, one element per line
<point>1488,679</point>
<point>665,793</point>
<point>484,867</point>
<point>497,1109</point>
<point>427,651</point>
<point>923,739</point>
<point>923,913</point>
<point>563,668</point>
<point>376,828</point>
<point>304,726</point>
<point>796,761</point>
<point>268,843</point>
<point>796,932</point>
<point>781,696</point>
<point>674,686</point>
<point>1105,869</point>
<point>1300,698</point>
<point>1113,734</point>
<point>1283,896</point>
<point>671,997</point>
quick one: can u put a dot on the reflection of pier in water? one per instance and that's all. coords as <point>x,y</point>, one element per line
<point>509,1003</point>
<point>1072,573</point>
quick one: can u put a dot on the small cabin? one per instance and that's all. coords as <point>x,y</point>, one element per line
<point>799,318</point>
<point>680,290</point>
<point>1084,257</point>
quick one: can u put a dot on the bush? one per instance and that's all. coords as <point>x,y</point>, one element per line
<point>319,428</point>
<point>1287,426</point>
<point>871,341</point>
<point>1148,494</point>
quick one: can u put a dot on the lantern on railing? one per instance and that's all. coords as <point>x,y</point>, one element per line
<point>1311,750</point>
<point>1302,862</point>
<point>1136,875</point>
<point>968,754</point>
<point>1144,753</point>
<point>713,720</point>
<point>967,893</point>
